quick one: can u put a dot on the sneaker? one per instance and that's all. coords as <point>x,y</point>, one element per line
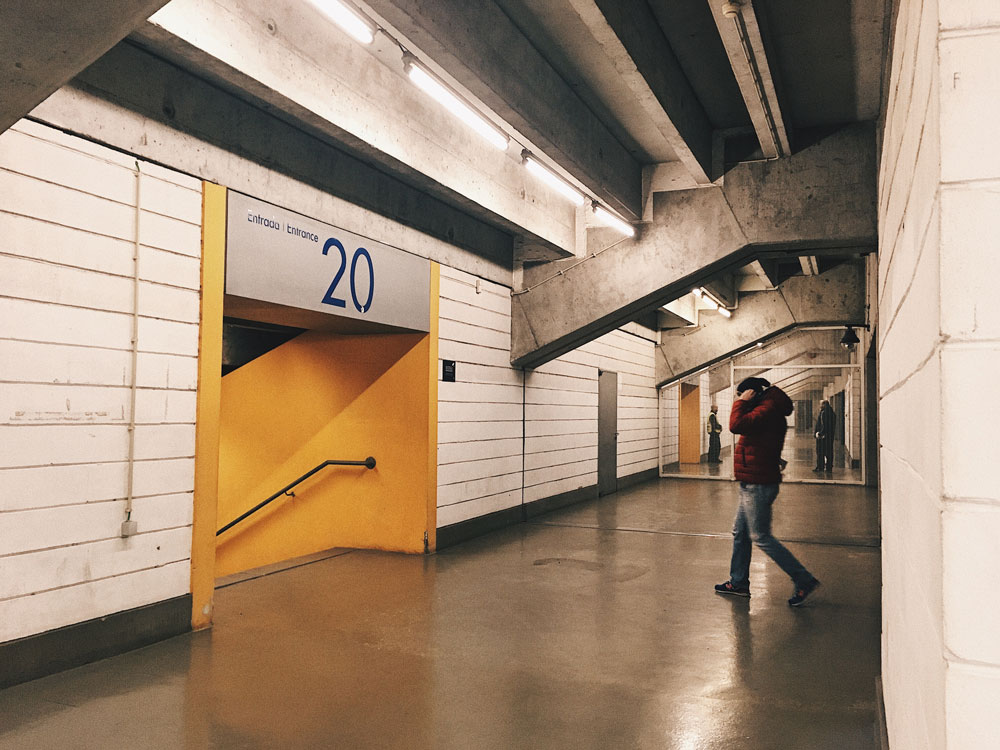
<point>729,588</point>
<point>800,595</point>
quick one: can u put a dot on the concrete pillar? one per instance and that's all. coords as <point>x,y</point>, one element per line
<point>939,352</point>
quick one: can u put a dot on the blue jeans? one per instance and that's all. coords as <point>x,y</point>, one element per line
<point>753,526</point>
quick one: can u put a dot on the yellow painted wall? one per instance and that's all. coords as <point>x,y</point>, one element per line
<point>206,462</point>
<point>690,424</point>
<point>324,396</point>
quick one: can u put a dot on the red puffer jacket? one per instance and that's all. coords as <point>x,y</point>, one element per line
<point>761,425</point>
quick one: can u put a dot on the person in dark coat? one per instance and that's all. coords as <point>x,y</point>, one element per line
<point>824,437</point>
<point>714,436</point>
<point>759,418</point>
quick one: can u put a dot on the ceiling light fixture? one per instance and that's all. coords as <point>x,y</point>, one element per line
<point>712,302</point>
<point>544,174</point>
<point>608,219</point>
<point>347,18</point>
<point>430,85</point>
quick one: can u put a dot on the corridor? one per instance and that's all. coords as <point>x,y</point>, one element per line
<point>590,627</point>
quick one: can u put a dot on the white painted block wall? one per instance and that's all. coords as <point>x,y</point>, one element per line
<point>505,437</point>
<point>480,425</point>
<point>67,230</point>
<point>939,352</point>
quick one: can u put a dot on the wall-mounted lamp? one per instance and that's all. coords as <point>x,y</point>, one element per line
<point>850,339</point>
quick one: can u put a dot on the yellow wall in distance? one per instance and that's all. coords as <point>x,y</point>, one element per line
<point>690,424</point>
<point>325,396</point>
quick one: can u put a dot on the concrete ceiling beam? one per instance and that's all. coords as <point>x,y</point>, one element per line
<point>822,196</point>
<point>295,64</point>
<point>678,313</point>
<point>44,43</point>
<point>765,272</point>
<point>836,297</point>
<point>137,102</point>
<point>490,57</point>
<point>740,31</point>
<point>661,178</point>
<point>631,38</point>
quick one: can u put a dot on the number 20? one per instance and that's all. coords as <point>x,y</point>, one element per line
<point>328,298</point>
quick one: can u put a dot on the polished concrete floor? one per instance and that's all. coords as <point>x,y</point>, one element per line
<point>592,627</point>
<point>800,453</point>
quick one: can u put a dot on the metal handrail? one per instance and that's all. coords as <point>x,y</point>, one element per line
<point>368,463</point>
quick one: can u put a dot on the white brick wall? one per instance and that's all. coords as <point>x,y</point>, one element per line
<point>480,425</point>
<point>67,229</point>
<point>939,350</point>
<point>481,465</point>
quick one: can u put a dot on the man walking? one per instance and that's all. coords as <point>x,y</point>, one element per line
<point>758,417</point>
<point>824,438</point>
<point>714,432</point>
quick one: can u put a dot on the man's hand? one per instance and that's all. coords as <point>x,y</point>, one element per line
<point>746,395</point>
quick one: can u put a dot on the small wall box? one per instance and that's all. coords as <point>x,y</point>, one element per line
<point>448,370</point>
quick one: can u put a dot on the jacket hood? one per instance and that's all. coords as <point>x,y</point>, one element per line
<point>782,404</point>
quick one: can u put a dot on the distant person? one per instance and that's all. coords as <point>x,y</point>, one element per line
<point>759,418</point>
<point>824,437</point>
<point>714,429</point>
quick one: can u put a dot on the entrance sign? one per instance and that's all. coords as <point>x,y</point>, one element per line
<point>276,255</point>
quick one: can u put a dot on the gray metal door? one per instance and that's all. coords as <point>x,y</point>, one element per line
<point>607,432</point>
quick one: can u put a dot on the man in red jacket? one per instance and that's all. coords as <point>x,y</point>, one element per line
<point>758,417</point>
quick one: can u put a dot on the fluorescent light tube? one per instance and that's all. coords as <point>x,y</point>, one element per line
<point>696,293</point>
<point>348,19</point>
<point>431,86</point>
<point>608,219</point>
<point>725,313</point>
<point>552,179</point>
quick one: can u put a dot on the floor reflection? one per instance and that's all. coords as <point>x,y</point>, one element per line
<point>800,452</point>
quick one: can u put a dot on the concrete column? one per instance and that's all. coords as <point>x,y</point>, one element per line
<point>939,347</point>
